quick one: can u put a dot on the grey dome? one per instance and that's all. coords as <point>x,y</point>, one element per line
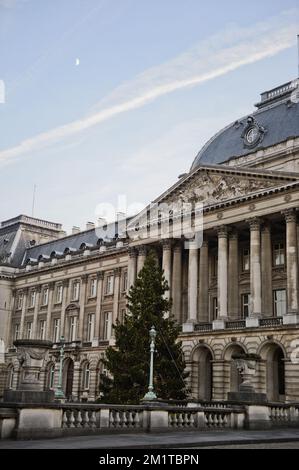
<point>277,117</point>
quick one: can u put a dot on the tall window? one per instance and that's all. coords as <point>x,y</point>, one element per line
<point>246,260</point>
<point>32,295</point>
<point>280,302</point>
<point>214,308</point>
<point>58,295</point>
<point>28,330</point>
<point>72,328</point>
<point>42,329</point>
<point>86,376</point>
<point>125,281</point>
<point>20,300</point>
<point>107,327</point>
<point>17,331</point>
<point>90,326</point>
<point>245,300</point>
<point>75,290</point>
<point>56,330</point>
<point>45,296</point>
<point>93,287</point>
<point>278,254</point>
<point>109,285</point>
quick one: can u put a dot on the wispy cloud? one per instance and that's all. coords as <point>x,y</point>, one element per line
<point>218,55</point>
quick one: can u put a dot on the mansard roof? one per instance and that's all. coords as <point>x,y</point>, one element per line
<point>277,116</point>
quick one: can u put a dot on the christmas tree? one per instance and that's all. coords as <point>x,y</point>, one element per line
<point>128,362</point>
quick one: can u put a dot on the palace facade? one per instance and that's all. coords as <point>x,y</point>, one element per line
<point>236,290</point>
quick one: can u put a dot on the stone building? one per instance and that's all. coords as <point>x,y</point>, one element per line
<point>235,290</point>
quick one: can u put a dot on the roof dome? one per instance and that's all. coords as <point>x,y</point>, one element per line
<point>276,120</point>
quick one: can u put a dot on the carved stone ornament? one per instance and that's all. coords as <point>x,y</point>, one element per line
<point>31,355</point>
<point>211,188</point>
<point>246,365</point>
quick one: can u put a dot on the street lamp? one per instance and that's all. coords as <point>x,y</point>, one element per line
<point>150,395</point>
<point>59,392</point>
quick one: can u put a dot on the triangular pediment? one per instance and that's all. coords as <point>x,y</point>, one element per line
<point>212,185</point>
<point>215,184</point>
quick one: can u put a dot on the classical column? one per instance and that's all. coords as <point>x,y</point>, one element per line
<point>115,299</point>
<point>24,306</point>
<point>222,282</point>
<point>64,303</point>
<point>233,276</point>
<point>84,280</point>
<point>177,283</point>
<point>203,291</point>
<point>49,310</point>
<point>266,267</point>
<point>141,257</point>
<point>166,264</point>
<point>97,334</point>
<point>35,314</point>
<point>131,267</point>
<point>192,288</point>
<point>292,266</point>
<point>255,273</point>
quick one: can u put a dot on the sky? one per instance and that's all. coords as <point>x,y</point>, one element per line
<point>104,103</point>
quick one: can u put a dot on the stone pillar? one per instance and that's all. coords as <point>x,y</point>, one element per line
<point>76,381</point>
<point>177,283</point>
<point>35,314</point>
<point>192,288</point>
<point>233,276</point>
<point>49,310</point>
<point>24,306</point>
<point>255,273</point>
<point>266,266</point>
<point>97,333</point>
<point>203,291</point>
<point>166,264</point>
<point>292,267</point>
<point>132,267</point>
<point>84,280</point>
<point>222,282</point>
<point>115,302</point>
<point>64,303</point>
<point>141,257</point>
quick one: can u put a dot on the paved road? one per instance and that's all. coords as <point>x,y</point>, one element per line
<point>277,445</point>
<point>194,439</point>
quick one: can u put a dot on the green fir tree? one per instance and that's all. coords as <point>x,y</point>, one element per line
<point>128,362</point>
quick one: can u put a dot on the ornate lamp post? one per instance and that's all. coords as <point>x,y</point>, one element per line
<point>150,395</point>
<point>59,392</point>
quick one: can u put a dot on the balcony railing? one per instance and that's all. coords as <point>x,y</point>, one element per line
<point>235,325</point>
<point>274,321</point>
<point>203,327</point>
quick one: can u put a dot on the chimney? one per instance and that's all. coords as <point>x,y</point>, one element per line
<point>90,225</point>
<point>75,230</point>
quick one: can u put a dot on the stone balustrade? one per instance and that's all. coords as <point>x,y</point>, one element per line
<point>57,420</point>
